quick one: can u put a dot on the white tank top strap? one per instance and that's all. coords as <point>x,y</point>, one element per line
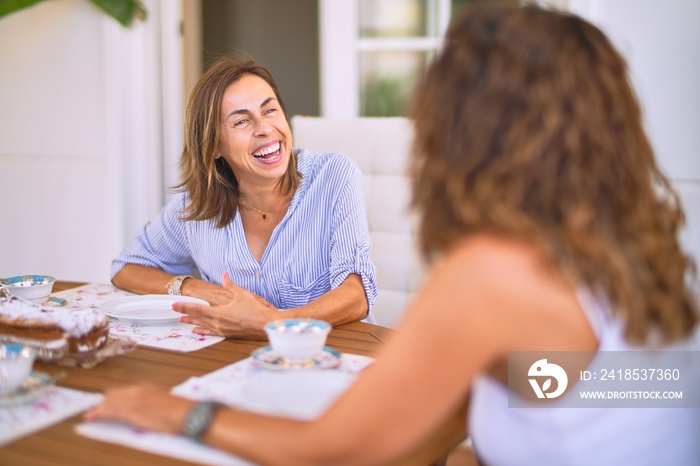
<point>598,317</point>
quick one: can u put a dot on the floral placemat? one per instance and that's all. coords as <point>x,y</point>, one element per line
<point>222,385</point>
<point>91,295</point>
<point>50,407</point>
<point>174,337</point>
<point>226,385</point>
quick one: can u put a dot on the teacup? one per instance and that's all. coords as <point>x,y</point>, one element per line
<point>297,341</point>
<point>16,363</point>
<point>34,288</point>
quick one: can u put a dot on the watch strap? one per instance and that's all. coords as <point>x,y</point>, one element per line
<point>199,418</point>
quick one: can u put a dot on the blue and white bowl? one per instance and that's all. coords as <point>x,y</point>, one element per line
<point>297,341</point>
<point>34,288</point>
<point>16,362</point>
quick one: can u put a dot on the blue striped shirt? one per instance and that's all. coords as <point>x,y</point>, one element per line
<point>322,239</point>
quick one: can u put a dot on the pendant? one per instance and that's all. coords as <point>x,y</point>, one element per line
<point>264,216</point>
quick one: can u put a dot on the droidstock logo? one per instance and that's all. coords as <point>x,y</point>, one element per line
<point>546,372</point>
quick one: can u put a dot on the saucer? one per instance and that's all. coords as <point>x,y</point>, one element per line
<point>57,302</point>
<point>34,385</point>
<point>266,357</point>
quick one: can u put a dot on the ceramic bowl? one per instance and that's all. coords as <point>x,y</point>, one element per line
<point>297,341</point>
<point>16,363</point>
<point>34,288</point>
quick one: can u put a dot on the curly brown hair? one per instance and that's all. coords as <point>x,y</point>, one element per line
<point>526,125</point>
<point>211,184</point>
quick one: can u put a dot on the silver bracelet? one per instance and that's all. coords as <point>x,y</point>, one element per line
<point>175,285</point>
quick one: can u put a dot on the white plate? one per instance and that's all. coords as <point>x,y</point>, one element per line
<point>34,385</point>
<point>269,359</point>
<point>298,394</point>
<point>151,309</point>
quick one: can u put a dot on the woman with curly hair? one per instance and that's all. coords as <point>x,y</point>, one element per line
<point>551,229</point>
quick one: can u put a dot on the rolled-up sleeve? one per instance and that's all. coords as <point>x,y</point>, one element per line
<point>162,243</point>
<point>350,240</point>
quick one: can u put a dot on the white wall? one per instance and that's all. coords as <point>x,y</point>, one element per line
<point>661,42</point>
<point>81,129</point>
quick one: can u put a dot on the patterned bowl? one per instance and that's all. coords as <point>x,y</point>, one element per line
<point>34,288</point>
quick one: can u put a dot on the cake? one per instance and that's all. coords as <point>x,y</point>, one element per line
<point>76,331</point>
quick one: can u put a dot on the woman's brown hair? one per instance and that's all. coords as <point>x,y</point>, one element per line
<point>209,181</point>
<point>526,125</point>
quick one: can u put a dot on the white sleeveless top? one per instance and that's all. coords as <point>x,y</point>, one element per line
<point>583,436</point>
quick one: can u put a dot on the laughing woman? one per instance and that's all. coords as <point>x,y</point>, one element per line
<point>283,228</point>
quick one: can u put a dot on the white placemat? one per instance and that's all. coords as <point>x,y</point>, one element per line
<point>50,407</point>
<point>246,386</point>
<point>175,337</point>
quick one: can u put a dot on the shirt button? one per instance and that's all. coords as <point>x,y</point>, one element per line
<point>257,275</point>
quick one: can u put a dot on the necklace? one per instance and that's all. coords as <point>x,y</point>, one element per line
<point>264,215</point>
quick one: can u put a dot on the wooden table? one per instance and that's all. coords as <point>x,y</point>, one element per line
<point>60,445</point>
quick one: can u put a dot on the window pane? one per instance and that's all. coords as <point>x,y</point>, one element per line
<point>396,18</point>
<point>387,79</point>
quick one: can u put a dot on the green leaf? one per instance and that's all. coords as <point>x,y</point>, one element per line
<point>10,6</point>
<point>124,11</point>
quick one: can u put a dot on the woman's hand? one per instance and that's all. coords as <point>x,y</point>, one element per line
<point>241,314</point>
<point>212,293</point>
<point>144,406</point>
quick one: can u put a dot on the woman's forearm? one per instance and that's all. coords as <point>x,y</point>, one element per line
<point>346,303</point>
<point>142,279</point>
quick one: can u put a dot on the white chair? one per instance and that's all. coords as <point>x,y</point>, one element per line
<point>380,147</point>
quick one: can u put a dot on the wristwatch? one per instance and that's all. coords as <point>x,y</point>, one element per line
<point>199,418</point>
